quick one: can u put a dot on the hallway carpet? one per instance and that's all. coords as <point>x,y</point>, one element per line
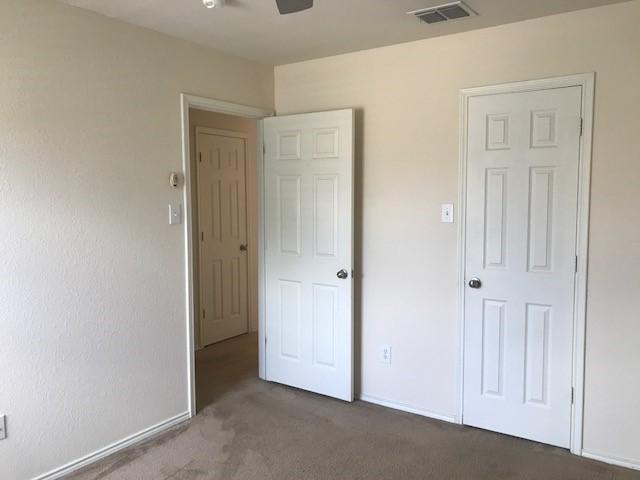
<point>252,430</point>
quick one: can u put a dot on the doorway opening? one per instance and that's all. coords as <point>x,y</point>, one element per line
<point>269,235</point>
<point>222,154</point>
<point>224,248</point>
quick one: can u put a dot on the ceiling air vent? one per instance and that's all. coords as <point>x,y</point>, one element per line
<point>443,13</point>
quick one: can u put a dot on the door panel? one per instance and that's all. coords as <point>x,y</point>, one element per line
<point>222,216</point>
<point>309,239</point>
<point>522,177</point>
<point>493,348</point>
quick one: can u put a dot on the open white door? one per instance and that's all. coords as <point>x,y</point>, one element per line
<point>308,174</point>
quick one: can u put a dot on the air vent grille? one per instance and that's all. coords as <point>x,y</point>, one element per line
<point>443,13</point>
<point>432,16</point>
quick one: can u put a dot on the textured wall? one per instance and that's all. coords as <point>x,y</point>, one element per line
<point>407,97</point>
<point>92,295</point>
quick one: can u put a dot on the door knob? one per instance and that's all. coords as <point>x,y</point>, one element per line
<point>342,274</point>
<point>475,283</point>
<point>243,248</point>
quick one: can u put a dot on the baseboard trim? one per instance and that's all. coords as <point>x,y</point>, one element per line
<point>113,448</point>
<point>407,408</point>
<point>620,462</point>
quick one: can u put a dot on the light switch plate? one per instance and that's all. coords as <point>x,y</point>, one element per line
<point>3,427</point>
<point>446,213</point>
<point>175,214</point>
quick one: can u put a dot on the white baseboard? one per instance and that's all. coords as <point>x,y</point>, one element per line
<point>407,408</point>
<point>620,462</point>
<point>113,448</point>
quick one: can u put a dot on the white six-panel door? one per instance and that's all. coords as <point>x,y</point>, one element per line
<point>308,241</point>
<point>522,179</point>
<point>222,220</point>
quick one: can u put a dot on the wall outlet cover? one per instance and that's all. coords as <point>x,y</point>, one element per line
<point>385,353</point>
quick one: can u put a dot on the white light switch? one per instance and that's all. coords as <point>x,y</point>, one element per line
<point>446,213</point>
<point>175,214</point>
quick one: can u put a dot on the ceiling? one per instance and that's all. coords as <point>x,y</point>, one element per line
<point>254,30</point>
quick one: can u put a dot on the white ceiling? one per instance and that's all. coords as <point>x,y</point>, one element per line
<point>253,29</point>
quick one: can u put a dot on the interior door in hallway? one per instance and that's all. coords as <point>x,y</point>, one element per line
<point>309,251</point>
<point>522,186</point>
<point>222,217</point>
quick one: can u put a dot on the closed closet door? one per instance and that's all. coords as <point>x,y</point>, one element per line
<point>222,216</point>
<point>522,186</point>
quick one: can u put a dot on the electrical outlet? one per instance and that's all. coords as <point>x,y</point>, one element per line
<point>3,427</point>
<point>385,354</point>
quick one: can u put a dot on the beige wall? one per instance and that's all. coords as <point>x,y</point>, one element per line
<point>92,293</point>
<point>407,98</point>
<point>201,118</point>
<point>92,282</point>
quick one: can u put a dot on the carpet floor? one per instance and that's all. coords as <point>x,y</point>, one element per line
<point>249,429</point>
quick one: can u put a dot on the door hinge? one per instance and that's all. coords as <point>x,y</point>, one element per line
<point>581,125</point>
<point>200,156</point>
<point>204,313</point>
<point>572,395</point>
<point>202,236</point>
<point>264,149</point>
<point>576,264</point>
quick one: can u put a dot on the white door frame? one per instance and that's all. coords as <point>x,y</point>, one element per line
<point>191,101</point>
<point>587,82</point>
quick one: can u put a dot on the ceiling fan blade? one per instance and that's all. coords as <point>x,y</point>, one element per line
<point>292,6</point>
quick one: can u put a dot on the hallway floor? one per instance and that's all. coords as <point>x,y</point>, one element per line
<point>249,429</point>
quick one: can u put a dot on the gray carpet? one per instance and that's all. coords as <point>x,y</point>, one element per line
<point>249,429</point>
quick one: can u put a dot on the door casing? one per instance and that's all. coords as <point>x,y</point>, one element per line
<point>587,82</point>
